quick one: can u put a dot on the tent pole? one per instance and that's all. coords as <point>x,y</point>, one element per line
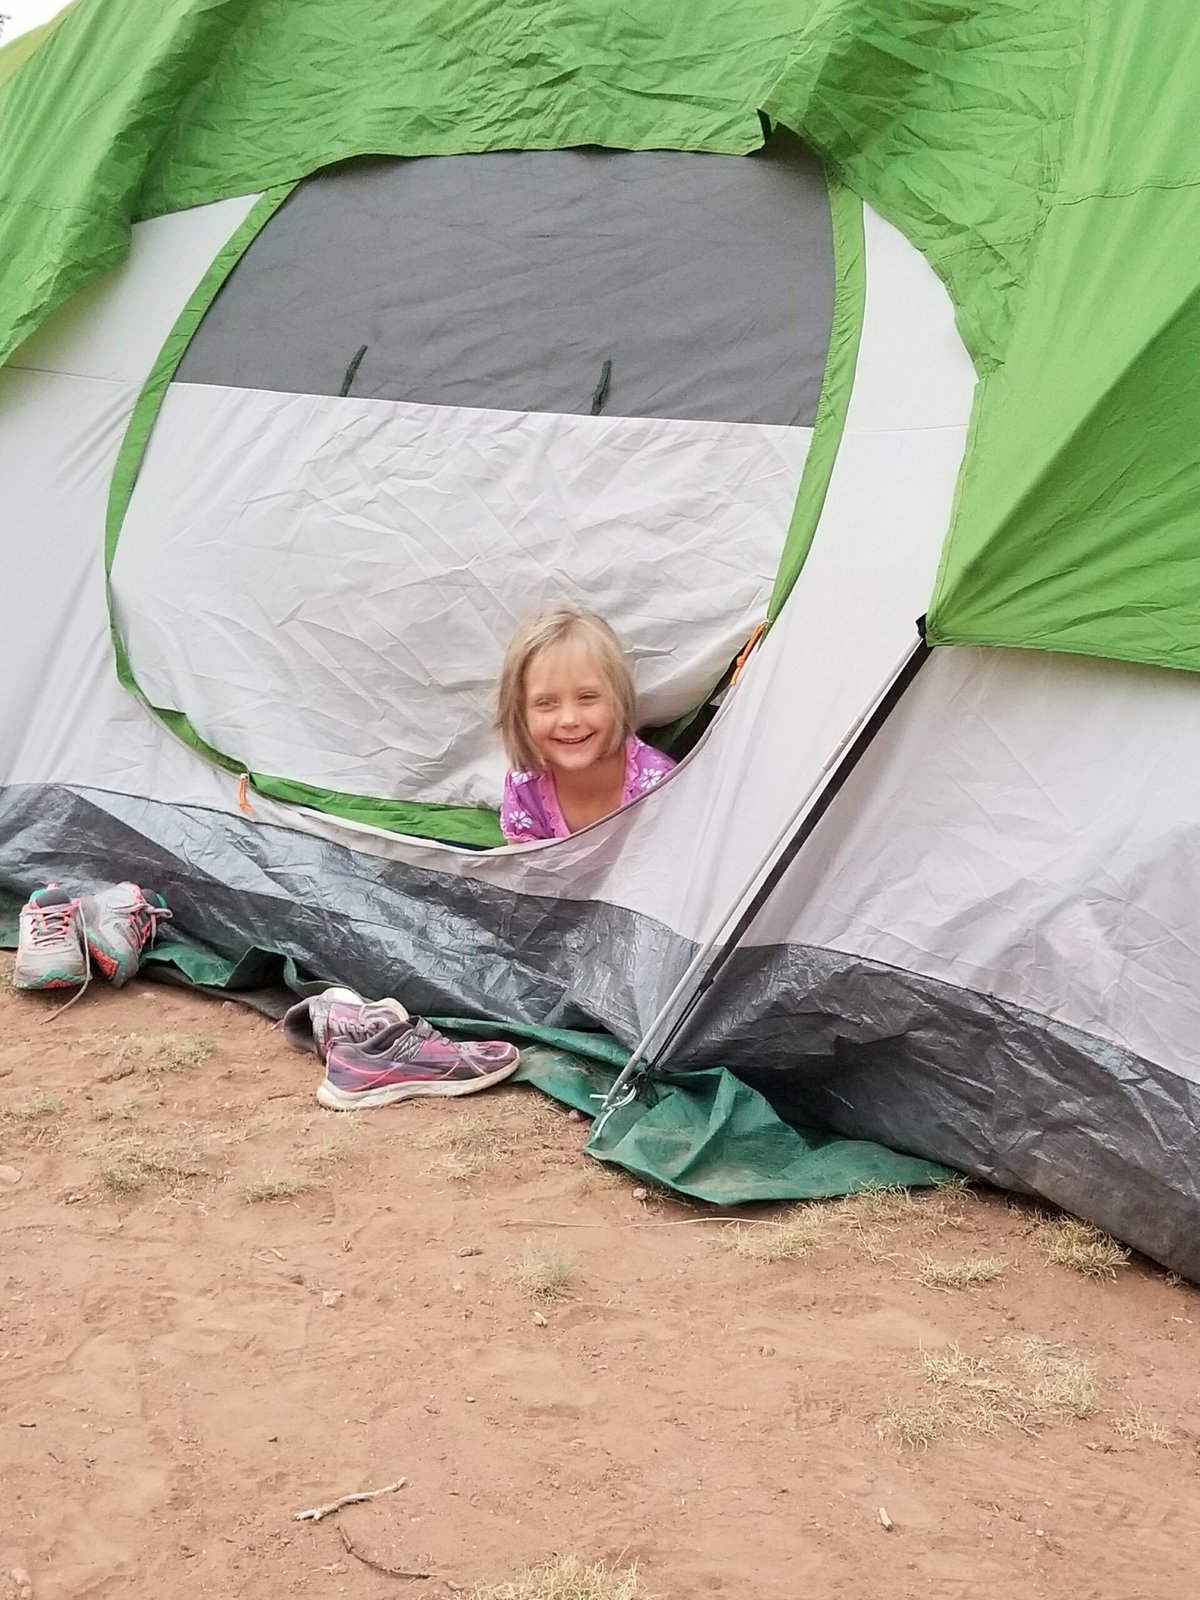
<point>706,965</point>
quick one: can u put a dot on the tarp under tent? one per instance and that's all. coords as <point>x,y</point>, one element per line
<point>341,336</point>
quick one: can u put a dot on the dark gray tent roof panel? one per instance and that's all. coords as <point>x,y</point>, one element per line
<point>507,281</point>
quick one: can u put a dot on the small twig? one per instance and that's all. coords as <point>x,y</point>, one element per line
<point>679,1222</point>
<point>377,1566</point>
<point>315,1513</point>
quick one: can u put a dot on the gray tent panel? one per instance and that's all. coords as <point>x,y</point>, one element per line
<point>508,280</point>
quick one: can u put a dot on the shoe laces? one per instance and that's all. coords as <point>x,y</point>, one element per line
<point>360,1029</point>
<point>52,924</point>
<point>72,911</point>
<point>146,917</point>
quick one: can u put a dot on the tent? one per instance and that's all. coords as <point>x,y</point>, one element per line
<point>337,336</point>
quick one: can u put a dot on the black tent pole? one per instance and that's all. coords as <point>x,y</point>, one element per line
<point>644,1061</point>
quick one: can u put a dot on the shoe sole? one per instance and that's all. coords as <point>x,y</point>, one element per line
<point>49,983</point>
<point>335,1099</point>
<point>108,964</point>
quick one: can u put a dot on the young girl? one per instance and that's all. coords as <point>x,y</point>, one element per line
<point>566,714</point>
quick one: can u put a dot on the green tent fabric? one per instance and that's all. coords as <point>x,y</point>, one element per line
<point>135,109</point>
<point>1042,154</point>
<point>703,1134</point>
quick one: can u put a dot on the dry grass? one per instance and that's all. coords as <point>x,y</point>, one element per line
<point>886,1206</point>
<point>1026,1383</point>
<point>543,1117</point>
<point>912,1426</point>
<point>273,1187</point>
<point>927,1210</point>
<point>36,1109</point>
<point>868,1223</point>
<point>970,1273</point>
<point>180,1052</point>
<point>119,1111</point>
<point>35,1121</point>
<point>156,1053</point>
<point>600,1175</point>
<point>544,1272</point>
<point>1138,1427</point>
<point>1068,1242</point>
<point>791,1239</point>
<point>956,1183</point>
<point>1063,1384</point>
<point>471,1144</point>
<point>568,1578</point>
<point>134,1164</point>
<point>332,1147</point>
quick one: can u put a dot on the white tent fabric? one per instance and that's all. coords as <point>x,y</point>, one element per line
<point>326,586</point>
<point>66,397</point>
<point>1024,828</point>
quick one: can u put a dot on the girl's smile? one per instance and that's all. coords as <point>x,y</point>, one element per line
<point>569,709</point>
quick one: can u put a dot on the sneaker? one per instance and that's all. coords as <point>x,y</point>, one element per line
<point>51,948</point>
<point>121,922</point>
<point>409,1059</point>
<point>338,1016</point>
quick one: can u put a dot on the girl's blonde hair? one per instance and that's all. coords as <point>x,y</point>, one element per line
<point>543,633</point>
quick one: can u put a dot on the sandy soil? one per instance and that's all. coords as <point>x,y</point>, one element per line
<point>221,1305</point>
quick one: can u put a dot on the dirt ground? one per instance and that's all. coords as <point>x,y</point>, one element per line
<point>221,1305</point>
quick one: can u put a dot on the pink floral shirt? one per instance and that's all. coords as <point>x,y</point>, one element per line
<point>530,808</point>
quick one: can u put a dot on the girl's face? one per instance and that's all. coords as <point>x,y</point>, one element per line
<point>569,708</point>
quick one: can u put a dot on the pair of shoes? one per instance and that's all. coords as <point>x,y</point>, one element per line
<point>375,1053</point>
<point>62,937</point>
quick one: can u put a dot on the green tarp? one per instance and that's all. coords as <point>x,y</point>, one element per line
<point>703,1134</point>
<point>1041,152</point>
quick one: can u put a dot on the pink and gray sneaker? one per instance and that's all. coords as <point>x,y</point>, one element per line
<point>121,922</point>
<point>51,946</point>
<point>408,1059</point>
<point>338,1016</point>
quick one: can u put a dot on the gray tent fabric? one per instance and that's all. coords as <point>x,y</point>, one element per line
<point>509,280</point>
<point>867,1050</point>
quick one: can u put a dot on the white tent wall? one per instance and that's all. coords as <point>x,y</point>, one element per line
<point>326,585</point>
<point>1024,828</point>
<point>66,397</point>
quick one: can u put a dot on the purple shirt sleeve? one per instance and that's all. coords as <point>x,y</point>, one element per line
<point>644,768</point>
<point>519,813</point>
